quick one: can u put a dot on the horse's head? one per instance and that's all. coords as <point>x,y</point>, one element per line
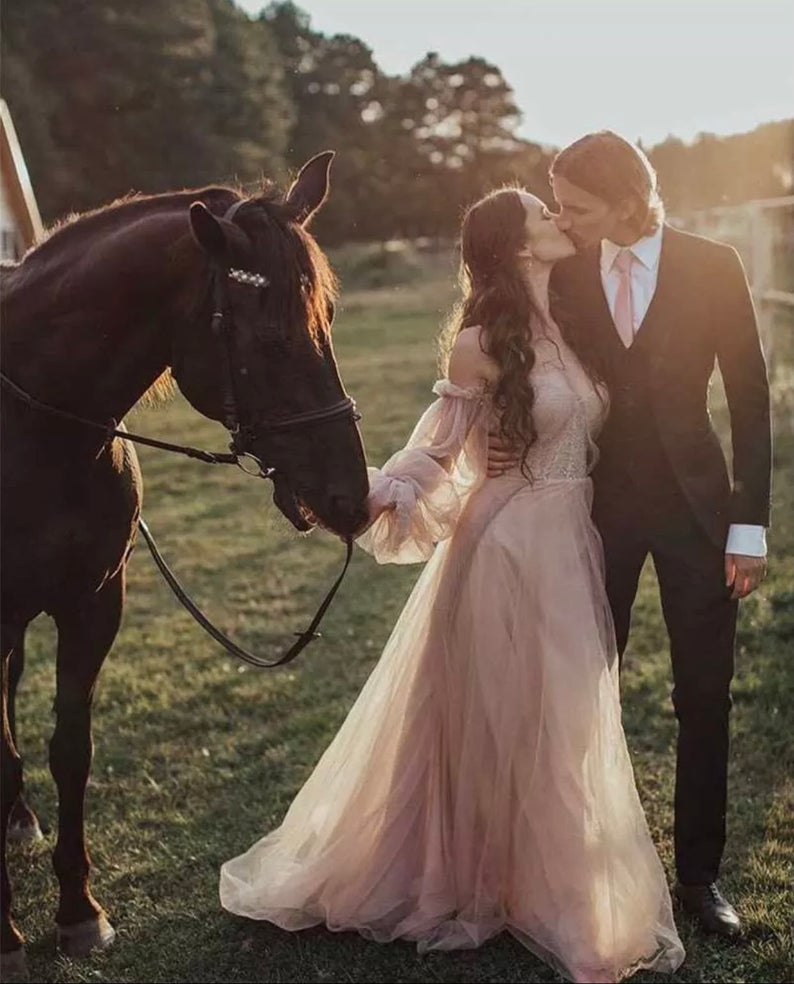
<point>259,356</point>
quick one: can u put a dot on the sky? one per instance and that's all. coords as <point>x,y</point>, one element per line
<point>647,68</point>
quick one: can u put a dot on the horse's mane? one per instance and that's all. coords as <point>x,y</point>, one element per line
<point>161,391</point>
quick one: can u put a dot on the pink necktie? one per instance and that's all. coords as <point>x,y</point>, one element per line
<point>624,313</point>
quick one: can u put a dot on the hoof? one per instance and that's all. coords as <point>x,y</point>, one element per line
<point>85,937</point>
<point>24,832</point>
<point>23,827</point>
<point>14,965</point>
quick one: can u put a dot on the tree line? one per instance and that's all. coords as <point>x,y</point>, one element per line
<point>111,97</point>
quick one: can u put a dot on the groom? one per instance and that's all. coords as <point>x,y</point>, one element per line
<point>654,307</point>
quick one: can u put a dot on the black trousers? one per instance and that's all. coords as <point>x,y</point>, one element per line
<point>701,624</point>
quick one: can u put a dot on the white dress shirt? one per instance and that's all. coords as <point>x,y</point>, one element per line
<point>644,272</point>
<point>742,537</point>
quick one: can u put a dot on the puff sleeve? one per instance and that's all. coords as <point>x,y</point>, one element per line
<point>424,485</point>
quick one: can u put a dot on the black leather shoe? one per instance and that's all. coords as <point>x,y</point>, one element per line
<point>714,913</point>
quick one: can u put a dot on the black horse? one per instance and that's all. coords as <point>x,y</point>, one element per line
<point>234,297</point>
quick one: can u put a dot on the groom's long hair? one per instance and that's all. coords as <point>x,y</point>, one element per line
<point>496,296</point>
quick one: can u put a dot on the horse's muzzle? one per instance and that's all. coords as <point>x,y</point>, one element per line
<point>289,504</point>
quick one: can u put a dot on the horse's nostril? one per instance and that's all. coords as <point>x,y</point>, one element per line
<point>342,504</point>
<point>351,512</point>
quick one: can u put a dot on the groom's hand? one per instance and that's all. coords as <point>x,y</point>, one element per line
<point>501,456</point>
<point>744,573</point>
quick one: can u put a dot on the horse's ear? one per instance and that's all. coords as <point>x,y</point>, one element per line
<point>208,230</point>
<point>310,189</point>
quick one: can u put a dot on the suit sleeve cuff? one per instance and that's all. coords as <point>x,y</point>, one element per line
<point>750,541</point>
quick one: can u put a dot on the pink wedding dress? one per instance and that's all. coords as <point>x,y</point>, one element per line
<point>481,781</point>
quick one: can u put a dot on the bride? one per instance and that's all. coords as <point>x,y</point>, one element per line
<point>481,781</point>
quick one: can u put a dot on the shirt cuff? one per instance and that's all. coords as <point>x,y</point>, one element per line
<point>749,541</point>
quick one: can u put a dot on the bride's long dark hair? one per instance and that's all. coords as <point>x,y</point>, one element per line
<point>497,297</point>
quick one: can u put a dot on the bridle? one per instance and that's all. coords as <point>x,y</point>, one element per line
<point>242,436</point>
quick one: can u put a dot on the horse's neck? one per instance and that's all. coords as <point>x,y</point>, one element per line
<point>95,363</point>
<point>93,335</point>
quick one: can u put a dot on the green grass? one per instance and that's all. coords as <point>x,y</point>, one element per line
<point>197,756</point>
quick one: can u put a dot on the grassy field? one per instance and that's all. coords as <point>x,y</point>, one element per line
<point>197,756</point>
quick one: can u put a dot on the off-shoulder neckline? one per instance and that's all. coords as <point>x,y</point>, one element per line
<point>445,387</point>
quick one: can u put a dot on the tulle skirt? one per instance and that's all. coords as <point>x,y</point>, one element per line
<point>481,782</point>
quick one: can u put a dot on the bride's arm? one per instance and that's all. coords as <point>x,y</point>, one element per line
<point>416,497</point>
<point>469,369</point>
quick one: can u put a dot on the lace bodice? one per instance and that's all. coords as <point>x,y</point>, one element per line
<point>568,413</point>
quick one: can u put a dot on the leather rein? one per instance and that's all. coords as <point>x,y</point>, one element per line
<point>239,454</point>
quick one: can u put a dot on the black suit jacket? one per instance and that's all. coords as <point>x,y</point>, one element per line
<point>701,312</point>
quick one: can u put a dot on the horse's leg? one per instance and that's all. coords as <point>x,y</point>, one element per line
<point>12,954</point>
<point>85,636</point>
<point>22,826</point>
